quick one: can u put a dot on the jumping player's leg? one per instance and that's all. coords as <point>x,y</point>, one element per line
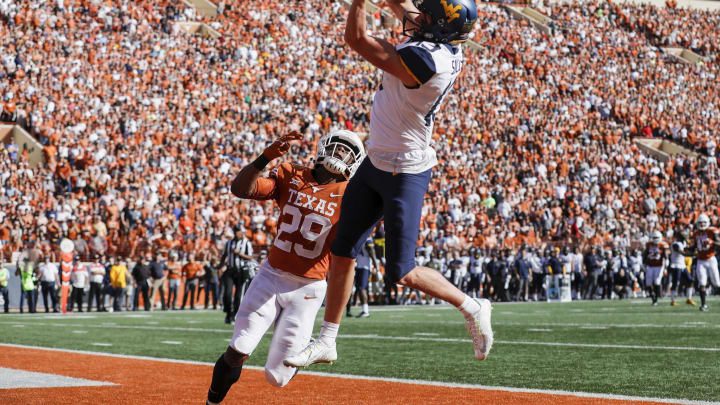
<point>255,316</point>
<point>403,200</point>
<point>360,210</point>
<point>402,206</point>
<point>294,325</point>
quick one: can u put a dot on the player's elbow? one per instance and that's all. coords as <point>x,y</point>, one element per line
<point>239,188</point>
<point>353,38</point>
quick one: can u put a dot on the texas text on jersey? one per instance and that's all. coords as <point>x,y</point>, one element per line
<point>704,243</point>
<point>308,216</point>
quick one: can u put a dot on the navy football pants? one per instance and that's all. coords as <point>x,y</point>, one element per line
<point>371,194</point>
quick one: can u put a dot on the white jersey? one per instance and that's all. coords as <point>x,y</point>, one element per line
<point>677,259</point>
<point>635,264</point>
<point>402,118</point>
<point>97,273</point>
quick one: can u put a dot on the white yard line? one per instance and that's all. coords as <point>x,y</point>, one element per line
<point>397,380</point>
<point>114,326</point>
<point>14,378</point>
<point>412,338</point>
<point>527,343</point>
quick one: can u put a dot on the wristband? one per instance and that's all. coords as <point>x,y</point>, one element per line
<point>261,162</point>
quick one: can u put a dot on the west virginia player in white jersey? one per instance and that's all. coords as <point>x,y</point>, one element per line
<point>392,181</point>
<point>680,276</point>
<point>402,117</point>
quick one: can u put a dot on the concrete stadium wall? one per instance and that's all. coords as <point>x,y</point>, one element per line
<point>685,55</point>
<point>537,19</point>
<point>198,28</point>
<point>20,137</point>
<point>204,7</point>
<point>662,150</point>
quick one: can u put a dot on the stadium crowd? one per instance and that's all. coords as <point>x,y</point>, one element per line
<point>144,127</point>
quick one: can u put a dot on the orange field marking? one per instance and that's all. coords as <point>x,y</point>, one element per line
<point>165,382</point>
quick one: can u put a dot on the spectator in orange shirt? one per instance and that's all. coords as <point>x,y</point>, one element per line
<point>192,271</point>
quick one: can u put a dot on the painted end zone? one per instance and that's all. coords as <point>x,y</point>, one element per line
<point>163,382</point>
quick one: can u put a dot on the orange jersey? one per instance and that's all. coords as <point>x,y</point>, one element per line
<point>308,219</point>
<point>704,243</point>
<point>655,253</point>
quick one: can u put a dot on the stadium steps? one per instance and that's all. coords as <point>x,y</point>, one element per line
<point>538,20</point>
<point>24,140</point>
<point>685,56</point>
<point>206,8</point>
<point>198,28</point>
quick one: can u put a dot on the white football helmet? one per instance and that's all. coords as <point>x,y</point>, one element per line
<point>341,152</point>
<point>703,222</point>
<point>655,237</point>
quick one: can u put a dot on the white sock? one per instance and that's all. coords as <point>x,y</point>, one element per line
<point>469,307</point>
<point>689,292</point>
<point>329,332</point>
<point>366,308</point>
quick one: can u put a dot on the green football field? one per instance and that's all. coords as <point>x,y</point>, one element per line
<point>610,347</point>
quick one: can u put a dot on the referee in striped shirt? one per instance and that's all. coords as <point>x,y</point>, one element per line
<point>235,257</point>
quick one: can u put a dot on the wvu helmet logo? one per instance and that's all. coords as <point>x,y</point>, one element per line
<point>451,12</point>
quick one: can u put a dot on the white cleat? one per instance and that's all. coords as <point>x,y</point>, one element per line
<point>315,352</point>
<point>480,329</point>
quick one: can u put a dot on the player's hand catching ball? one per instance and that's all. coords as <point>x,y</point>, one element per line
<point>282,145</point>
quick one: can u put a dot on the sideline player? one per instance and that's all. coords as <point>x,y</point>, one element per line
<point>290,286</point>
<point>654,258</point>
<point>366,264</point>
<point>679,274</point>
<point>393,180</point>
<point>705,240</point>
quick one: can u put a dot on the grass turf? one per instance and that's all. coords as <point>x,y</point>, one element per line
<point>430,343</point>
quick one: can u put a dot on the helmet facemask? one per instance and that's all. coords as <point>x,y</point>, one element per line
<point>703,222</point>
<point>411,28</point>
<point>340,153</point>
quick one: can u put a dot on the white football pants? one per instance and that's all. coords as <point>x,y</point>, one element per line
<point>291,303</point>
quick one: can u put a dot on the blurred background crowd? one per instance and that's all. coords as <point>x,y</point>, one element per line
<point>143,126</point>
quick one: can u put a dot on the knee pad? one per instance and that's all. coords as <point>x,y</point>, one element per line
<point>234,358</point>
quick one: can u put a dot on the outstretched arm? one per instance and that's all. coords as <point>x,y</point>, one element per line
<point>248,184</point>
<point>399,7</point>
<point>379,52</point>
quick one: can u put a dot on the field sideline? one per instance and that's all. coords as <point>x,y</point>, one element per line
<point>555,353</point>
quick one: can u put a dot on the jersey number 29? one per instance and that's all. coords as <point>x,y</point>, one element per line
<point>305,231</point>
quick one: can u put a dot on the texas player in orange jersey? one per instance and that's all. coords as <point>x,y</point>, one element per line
<point>290,286</point>
<point>704,241</point>
<point>654,258</point>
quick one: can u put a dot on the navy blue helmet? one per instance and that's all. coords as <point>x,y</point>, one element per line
<point>451,21</point>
